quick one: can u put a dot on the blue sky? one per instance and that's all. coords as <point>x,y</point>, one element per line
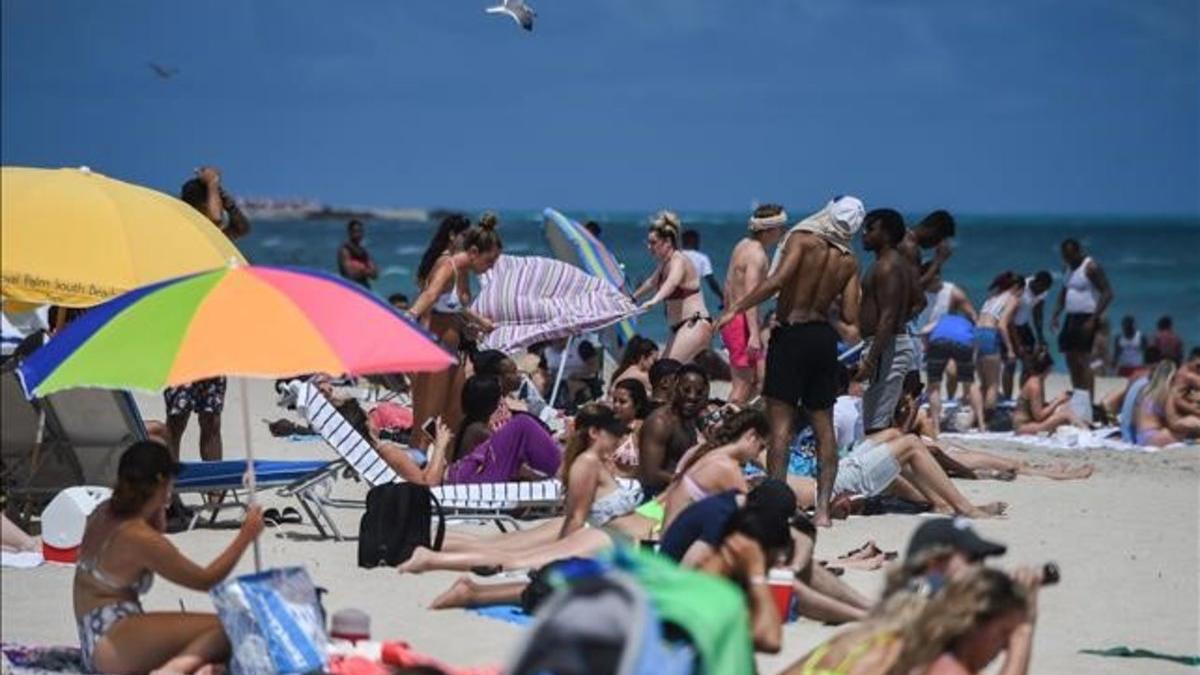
<point>976,105</point>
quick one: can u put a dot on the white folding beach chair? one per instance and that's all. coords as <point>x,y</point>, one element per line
<point>499,503</point>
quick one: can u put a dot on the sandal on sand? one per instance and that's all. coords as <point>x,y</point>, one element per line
<point>867,550</point>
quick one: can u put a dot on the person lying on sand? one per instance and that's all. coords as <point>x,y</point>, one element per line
<point>598,508</point>
<point>123,548</point>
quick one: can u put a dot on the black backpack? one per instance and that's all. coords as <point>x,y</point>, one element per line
<point>397,521</point>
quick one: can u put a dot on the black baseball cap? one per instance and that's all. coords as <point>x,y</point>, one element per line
<point>599,416</point>
<point>956,533</point>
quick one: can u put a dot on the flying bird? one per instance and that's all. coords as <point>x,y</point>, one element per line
<point>520,12</point>
<point>163,71</point>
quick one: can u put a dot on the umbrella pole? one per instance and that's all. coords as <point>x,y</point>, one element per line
<point>562,368</point>
<point>250,472</point>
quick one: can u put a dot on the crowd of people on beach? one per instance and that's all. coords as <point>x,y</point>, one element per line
<point>835,408</point>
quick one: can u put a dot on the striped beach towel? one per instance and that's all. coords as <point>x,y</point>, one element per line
<point>532,299</point>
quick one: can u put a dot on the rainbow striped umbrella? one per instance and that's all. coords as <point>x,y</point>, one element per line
<point>241,320</point>
<point>572,243</point>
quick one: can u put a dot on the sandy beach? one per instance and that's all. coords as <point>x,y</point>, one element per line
<point>1127,541</point>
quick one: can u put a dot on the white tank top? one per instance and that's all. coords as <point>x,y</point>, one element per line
<point>1129,350</point>
<point>1081,292</point>
<point>936,306</point>
<point>995,305</point>
<point>1025,308</point>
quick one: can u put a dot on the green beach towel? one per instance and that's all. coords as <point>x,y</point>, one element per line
<point>1128,652</point>
<point>711,609</point>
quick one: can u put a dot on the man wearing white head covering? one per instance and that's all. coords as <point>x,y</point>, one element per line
<point>748,265</point>
<point>813,268</point>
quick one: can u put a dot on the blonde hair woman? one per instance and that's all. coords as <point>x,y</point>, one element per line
<point>677,283</point>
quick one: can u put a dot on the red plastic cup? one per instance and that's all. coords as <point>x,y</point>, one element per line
<point>781,583</point>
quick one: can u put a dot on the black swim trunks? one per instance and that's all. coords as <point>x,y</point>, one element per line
<point>1075,337</point>
<point>941,352</point>
<point>802,365</point>
<point>1026,338</point>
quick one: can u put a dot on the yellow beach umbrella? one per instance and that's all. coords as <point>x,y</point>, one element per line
<point>75,238</point>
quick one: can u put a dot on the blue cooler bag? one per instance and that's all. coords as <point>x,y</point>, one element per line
<point>274,622</point>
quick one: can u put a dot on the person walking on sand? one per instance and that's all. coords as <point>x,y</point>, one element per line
<point>354,261</point>
<point>442,309</point>
<point>814,268</point>
<point>887,297</point>
<point>206,398</point>
<point>1085,295</point>
<point>748,265</point>
<point>677,283</point>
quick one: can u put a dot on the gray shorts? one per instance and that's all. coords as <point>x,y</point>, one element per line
<point>868,470</point>
<point>883,391</point>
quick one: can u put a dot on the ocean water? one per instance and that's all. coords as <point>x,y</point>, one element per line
<point>1152,263</point>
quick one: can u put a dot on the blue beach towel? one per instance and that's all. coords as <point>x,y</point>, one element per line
<point>507,613</point>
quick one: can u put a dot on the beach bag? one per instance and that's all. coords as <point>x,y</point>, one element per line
<point>274,622</point>
<point>600,625</point>
<point>397,521</point>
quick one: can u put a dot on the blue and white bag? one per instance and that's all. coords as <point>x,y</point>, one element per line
<point>274,622</point>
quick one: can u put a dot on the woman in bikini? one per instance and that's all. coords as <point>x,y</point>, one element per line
<point>443,308</point>
<point>639,355</point>
<point>123,548</point>
<point>1033,414</point>
<point>676,282</point>
<point>1157,419</point>
<point>717,466</point>
<point>993,343</point>
<point>631,403</point>
<point>599,509</point>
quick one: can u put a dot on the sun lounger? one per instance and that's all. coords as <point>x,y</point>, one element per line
<point>499,503</point>
<point>228,477</point>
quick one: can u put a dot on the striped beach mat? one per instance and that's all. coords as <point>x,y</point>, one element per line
<point>532,299</point>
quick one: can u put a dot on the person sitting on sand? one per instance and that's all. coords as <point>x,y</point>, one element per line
<point>631,404</point>
<point>518,449</point>
<point>598,508</point>
<point>696,536</point>
<point>636,361</point>
<point>662,380</point>
<point>676,282</point>
<point>123,548</point>
<point>717,466</point>
<point>1033,415</point>
<point>671,430</point>
<point>962,462</point>
<point>1157,419</point>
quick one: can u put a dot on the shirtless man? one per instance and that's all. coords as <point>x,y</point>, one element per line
<point>933,232</point>
<point>815,267</point>
<point>887,300</point>
<point>747,267</point>
<point>671,430</point>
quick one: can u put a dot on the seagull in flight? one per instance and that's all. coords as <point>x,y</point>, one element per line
<point>520,12</point>
<point>163,71</point>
